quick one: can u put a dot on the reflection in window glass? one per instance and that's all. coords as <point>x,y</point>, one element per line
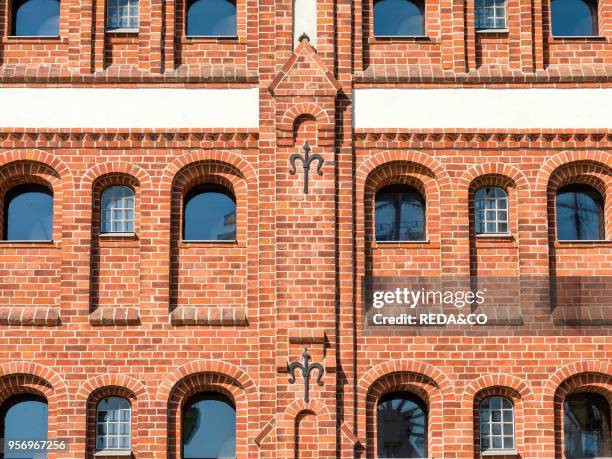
<point>121,14</point>
<point>490,14</point>
<point>574,18</point>
<point>580,214</point>
<point>399,18</point>
<point>587,426</point>
<point>491,211</point>
<point>211,18</point>
<point>113,424</point>
<point>400,214</point>
<point>23,417</point>
<point>36,18</point>
<point>28,213</point>
<point>210,214</point>
<point>401,426</point>
<point>209,427</point>
<point>496,424</point>
<point>117,206</point>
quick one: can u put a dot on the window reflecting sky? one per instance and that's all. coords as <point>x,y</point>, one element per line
<point>402,426</point>
<point>209,428</point>
<point>587,426</point>
<point>215,18</point>
<point>573,17</point>
<point>28,213</point>
<point>399,17</point>
<point>400,214</point>
<point>209,215</point>
<point>24,420</point>
<point>36,18</point>
<point>579,213</point>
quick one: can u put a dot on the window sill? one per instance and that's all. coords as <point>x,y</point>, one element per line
<point>499,452</point>
<point>118,235</point>
<point>577,38</point>
<point>194,39</point>
<point>111,453</point>
<point>27,244</point>
<point>208,243</point>
<point>492,31</point>
<point>209,315</point>
<point>29,39</point>
<point>408,38</point>
<point>122,31</point>
<point>583,243</point>
<point>494,235</point>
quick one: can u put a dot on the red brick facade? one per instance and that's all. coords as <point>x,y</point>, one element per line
<point>156,319</point>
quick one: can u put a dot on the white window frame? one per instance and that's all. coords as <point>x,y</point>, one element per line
<point>490,423</point>
<point>118,214</point>
<point>128,22</point>
<point>108,424</point>
<point>495,11</point>
<point>492,205</point>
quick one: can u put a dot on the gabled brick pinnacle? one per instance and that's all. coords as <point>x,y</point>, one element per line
<point>305,74</point>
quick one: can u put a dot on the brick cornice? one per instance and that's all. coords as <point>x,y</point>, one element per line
<point>481,138</point>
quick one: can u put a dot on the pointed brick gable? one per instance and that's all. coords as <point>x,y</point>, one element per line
<point>305,74</point>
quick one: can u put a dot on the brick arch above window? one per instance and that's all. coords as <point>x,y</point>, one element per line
<point>202,156</point>
<point>567,157</point>
<point>113,168</point>
<point>575,368</point>
<point>32,378</point>
<point>491,173</point>
<point>418,158</point>
<point>515,389</point>
<point>42,157</point>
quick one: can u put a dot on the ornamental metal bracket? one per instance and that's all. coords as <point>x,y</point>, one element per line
<point>307,159</point>
<point>306,369</point>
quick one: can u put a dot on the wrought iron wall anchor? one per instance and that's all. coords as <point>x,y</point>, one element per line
<point>306,369</point>
<point>307,159</point>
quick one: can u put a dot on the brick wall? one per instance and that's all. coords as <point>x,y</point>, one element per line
<point>156,319</point>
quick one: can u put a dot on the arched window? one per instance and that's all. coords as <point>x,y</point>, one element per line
<point>209,427</point>
<point>114,417</point>
<point>491,211</point>
<point>401,419</point>
<point>403,18</point>
<point>574,18</point>
<point>496,424</point>
<point>209,214</point>
<point>580,214</point>
<point>117,210</point>
<point>211,18</point>
<point>122,15</point>
<point>587,426</point>
<point>28,213</point>
<point>400,214</point>
<point>23,417</point>
<point>36,18</point>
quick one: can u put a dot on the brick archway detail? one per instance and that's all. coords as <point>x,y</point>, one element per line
<point>564,158</point>
<point>116,167</point>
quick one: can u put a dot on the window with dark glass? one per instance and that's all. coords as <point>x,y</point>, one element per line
<point>399,18</point>
<point>401,419</point>
<point>491,211</point>
<point>117,210</point>
<point>496,424</point>
<point>209,427</point>
<point>113,423</point>
<point>399,214</point>
<point>210,214</point>
<point>587,426</point>
<point>28,213</point>
<point>490,14</point>
<point>35,18</point>
<point>22,417</point>
<point>211,18</point>
<point>122,15</point>
<point>574,18</point>
<point>580,214</point>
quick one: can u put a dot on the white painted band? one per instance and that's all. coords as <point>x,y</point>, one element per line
<point>129,108</point>
<point>476,108</point>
